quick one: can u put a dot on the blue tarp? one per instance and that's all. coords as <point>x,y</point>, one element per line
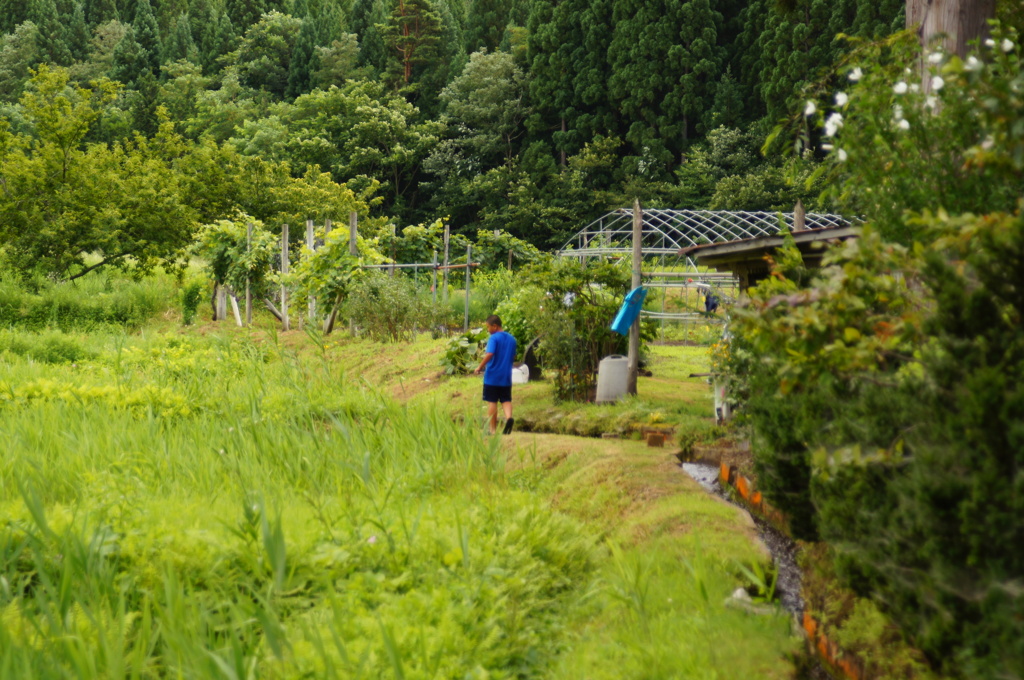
<point>630,310</point>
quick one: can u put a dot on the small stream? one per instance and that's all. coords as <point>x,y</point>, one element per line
<point>781,547</point>
<point>783,551</point>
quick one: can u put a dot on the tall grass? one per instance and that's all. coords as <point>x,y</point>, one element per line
<point>259,517</point>
<point>95,301</point>
<point>173,506</point>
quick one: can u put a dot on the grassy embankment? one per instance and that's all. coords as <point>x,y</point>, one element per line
<point>214,503</point>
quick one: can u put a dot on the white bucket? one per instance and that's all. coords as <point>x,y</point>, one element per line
<point>520,374</point>
<point>612,375</point>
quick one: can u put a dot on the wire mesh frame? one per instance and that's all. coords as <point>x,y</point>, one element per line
<point>665,232</point>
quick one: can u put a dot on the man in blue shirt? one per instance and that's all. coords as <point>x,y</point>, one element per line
<point>498,358</point>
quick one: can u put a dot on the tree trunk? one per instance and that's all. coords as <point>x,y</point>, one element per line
<point>957,22</point>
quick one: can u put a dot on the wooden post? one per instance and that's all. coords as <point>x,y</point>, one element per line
<point>634,330</point>
<point>248,286</point>
<point>433,282</point>
<point>799,217</point>
<point>469,258</point>
<point>447,237</point>
<point>284,270</point>
<point>310,244</point>
<point>221,311</point>
<point>391,271</point>
<point>327,227</point>
<point>353,232</point>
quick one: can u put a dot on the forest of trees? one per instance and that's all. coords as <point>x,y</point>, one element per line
<point>531,116</point>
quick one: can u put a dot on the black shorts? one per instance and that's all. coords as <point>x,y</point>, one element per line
<point>495,393</point>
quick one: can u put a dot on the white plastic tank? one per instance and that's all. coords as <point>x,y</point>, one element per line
<point>612,375</point>
<point>520,374</point>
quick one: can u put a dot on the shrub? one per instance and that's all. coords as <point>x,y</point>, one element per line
<point>574,317</point>
<point>385,308</point>
<point>191,296</point>
<point>887,396</point>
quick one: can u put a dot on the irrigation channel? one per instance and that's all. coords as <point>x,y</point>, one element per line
<point>781,547</point>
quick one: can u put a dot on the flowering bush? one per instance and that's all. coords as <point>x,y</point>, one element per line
<point>912,133</point>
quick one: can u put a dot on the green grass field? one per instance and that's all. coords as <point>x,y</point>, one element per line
<point>221,502</point>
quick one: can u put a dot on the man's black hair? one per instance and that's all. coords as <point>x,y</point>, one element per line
<point>494,320</point>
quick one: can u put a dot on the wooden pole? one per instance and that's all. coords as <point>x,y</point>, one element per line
<point>311,305</point>
<point>284,270</point>
<point>799,217</point>
<point>469,258</point>
<point>433,282</point>
<point>353,232</point>
<point>634,330</point>
<point>248,285</point>
<point>447,237</point>
<point>327,227</point>
<point>221,311</point>
<point>391,272</point>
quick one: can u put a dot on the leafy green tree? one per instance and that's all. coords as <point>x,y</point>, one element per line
<point>216,40</point>
<point>77,33</point>
<point>789,43</point>
<point>129,59</point>
<point>12,13</point>
<point>363,20</point>
<point>303,60</point>
<point>100,61</point>
<point>665,63</point>
<point>43,13</point>
<point>487,21</point>
<point>486,105</point>
<point>179,93</point>
<point>144,103</point>
<point>19,53</point>
<point>219,111</point>
<point>411,34</point>
<point>337,62</point>
<point>147,34</point>
<point>179,44</point>
<point>567,52</point>
<point>245,13</point>
<point>264,56</point>
<point>64,202</point>
<point>100,11</point>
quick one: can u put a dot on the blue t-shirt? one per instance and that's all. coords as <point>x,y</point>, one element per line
<point>498,371</point>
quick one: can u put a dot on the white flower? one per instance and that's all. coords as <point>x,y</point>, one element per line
<point>841,155</point>
<point>1006,45</point>
<point>832,124</point>
<point>810,109</point>
<point>372,539</point>
<point>931,101</point>
<point>897,112</point>
<point>903,124</point>
<point>900,88</point>
<point>937,83</point>
<point>915,88</point>
<point>827,147</point>
<point>989,142</point>
<point>990,43</point>
<point>935,58</point>
<point>856,74</point>
<point>841,98</point>
<point>973,63</point>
